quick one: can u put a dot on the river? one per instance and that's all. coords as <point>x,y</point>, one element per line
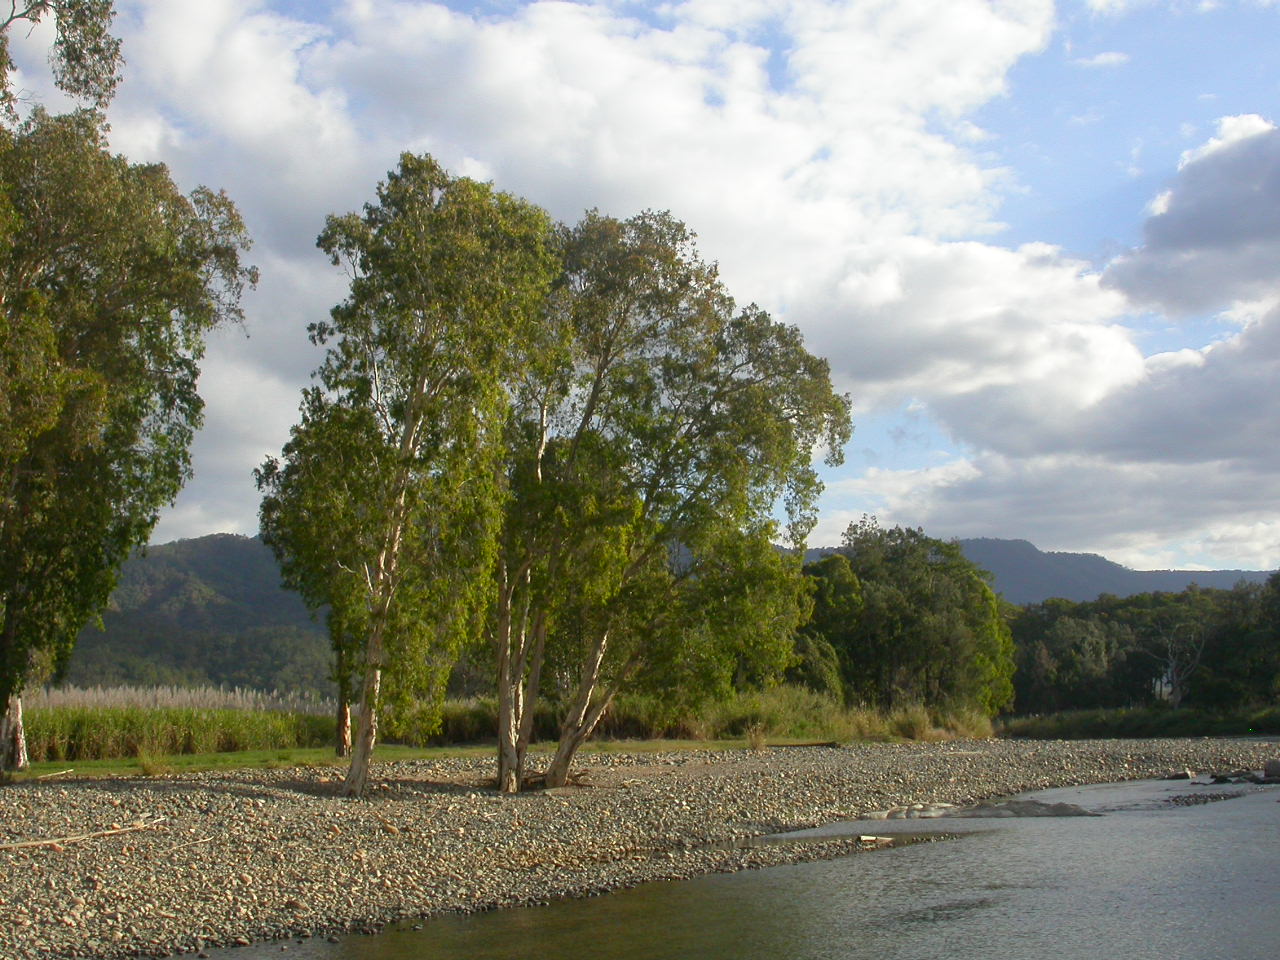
<point>1150,878</point>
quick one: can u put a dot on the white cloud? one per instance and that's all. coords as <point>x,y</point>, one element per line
<point>1115,7</point>
<point>824,152</point>
<point>1110,58</point>
<point>1214,236</point>
<point>942,321</point>
<point>819,168</point>
<point>1231,130</point>
<point>1136,514</point>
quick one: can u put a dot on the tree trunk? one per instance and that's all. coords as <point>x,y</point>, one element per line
<point>342,675</point>
<point>509,767</point>
<point>342,742</point>
<point>13,737</point>
<point>520,652</point>
<point>581,718</point>
<point>529,701</point>
<point>509,772</point>
<point>571,738</point>
<point>366,733</point>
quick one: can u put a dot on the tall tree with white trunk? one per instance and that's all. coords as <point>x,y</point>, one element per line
<point>385,503</point>
<point>649,447</point>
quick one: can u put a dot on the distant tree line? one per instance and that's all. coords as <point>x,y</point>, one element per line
<point>1207,648</point>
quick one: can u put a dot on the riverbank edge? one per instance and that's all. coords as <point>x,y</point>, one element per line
<point>231,859</point>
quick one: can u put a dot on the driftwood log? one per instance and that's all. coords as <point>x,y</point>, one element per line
<point>62,841</point>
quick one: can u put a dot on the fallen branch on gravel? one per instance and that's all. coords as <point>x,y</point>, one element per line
<point>60,773</point>
<point>61,841</point>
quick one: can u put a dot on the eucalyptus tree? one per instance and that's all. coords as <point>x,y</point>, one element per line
<point>385,503</point>
<point>649,446</point>
<point>86,58</point>
<point>110,278</point>
<point>85,61</point>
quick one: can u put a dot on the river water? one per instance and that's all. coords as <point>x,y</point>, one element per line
<point>1148,879</point>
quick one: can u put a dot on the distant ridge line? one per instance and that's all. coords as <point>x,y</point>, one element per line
<point>1023,573</point>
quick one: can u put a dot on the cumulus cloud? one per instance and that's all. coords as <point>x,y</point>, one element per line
<point>1214,235</point>
<point>819,148</point>
<point>1170,456</point>
<point>824,151</point>
<point>1148,516</point>
<point>945,321</point>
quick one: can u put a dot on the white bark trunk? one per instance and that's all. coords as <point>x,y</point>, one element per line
<point>509,772</point>
<point>366,734</point>
<point>571,739</point>
<point>582,717</point>
<point>13,737</point>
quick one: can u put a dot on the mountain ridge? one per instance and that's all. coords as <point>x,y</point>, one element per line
<point>1023,573</point>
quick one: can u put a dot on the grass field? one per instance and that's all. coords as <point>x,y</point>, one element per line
<point>162,731</point>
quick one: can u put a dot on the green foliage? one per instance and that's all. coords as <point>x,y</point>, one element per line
<point>86,58</point>
<point>817,665</point>
<point>385,502</point>
<point>837,605</point>
<point>76,733</point>
<point>1144,722</point>
<point>164,725</point>
<point>1213,649</point>
<point>109,279</point>
<point>653,433</point>
<point>912,622</point>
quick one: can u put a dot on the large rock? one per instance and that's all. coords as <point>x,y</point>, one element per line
<point>988,808</point>
<point>1023,808</point>
<point>1271,768</point>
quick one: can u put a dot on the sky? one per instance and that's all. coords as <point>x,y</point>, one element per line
<point>1039,243</point>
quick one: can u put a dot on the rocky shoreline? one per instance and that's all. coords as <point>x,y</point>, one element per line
<point>177,864</point>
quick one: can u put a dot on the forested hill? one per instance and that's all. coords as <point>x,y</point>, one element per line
<point>1025,574</point>
<point>204,611</point>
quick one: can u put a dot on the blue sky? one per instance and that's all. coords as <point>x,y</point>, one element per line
<point>1039,243</point>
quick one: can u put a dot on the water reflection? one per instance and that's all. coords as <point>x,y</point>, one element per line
<point>1149,880</point>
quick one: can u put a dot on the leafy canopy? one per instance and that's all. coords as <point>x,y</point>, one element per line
<point>86,58</point>
<point>653,437</point>
<point>929,629</point>
<point>109,279</point>
<point>385,501</point>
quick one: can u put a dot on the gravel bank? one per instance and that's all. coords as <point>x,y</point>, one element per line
<point>221,859</point>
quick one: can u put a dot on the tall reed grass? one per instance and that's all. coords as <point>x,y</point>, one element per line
<point>186,698</point>
<point>101,733</point>
<point>107,723</point>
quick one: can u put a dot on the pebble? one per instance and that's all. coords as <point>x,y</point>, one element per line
<point>253,856</point>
